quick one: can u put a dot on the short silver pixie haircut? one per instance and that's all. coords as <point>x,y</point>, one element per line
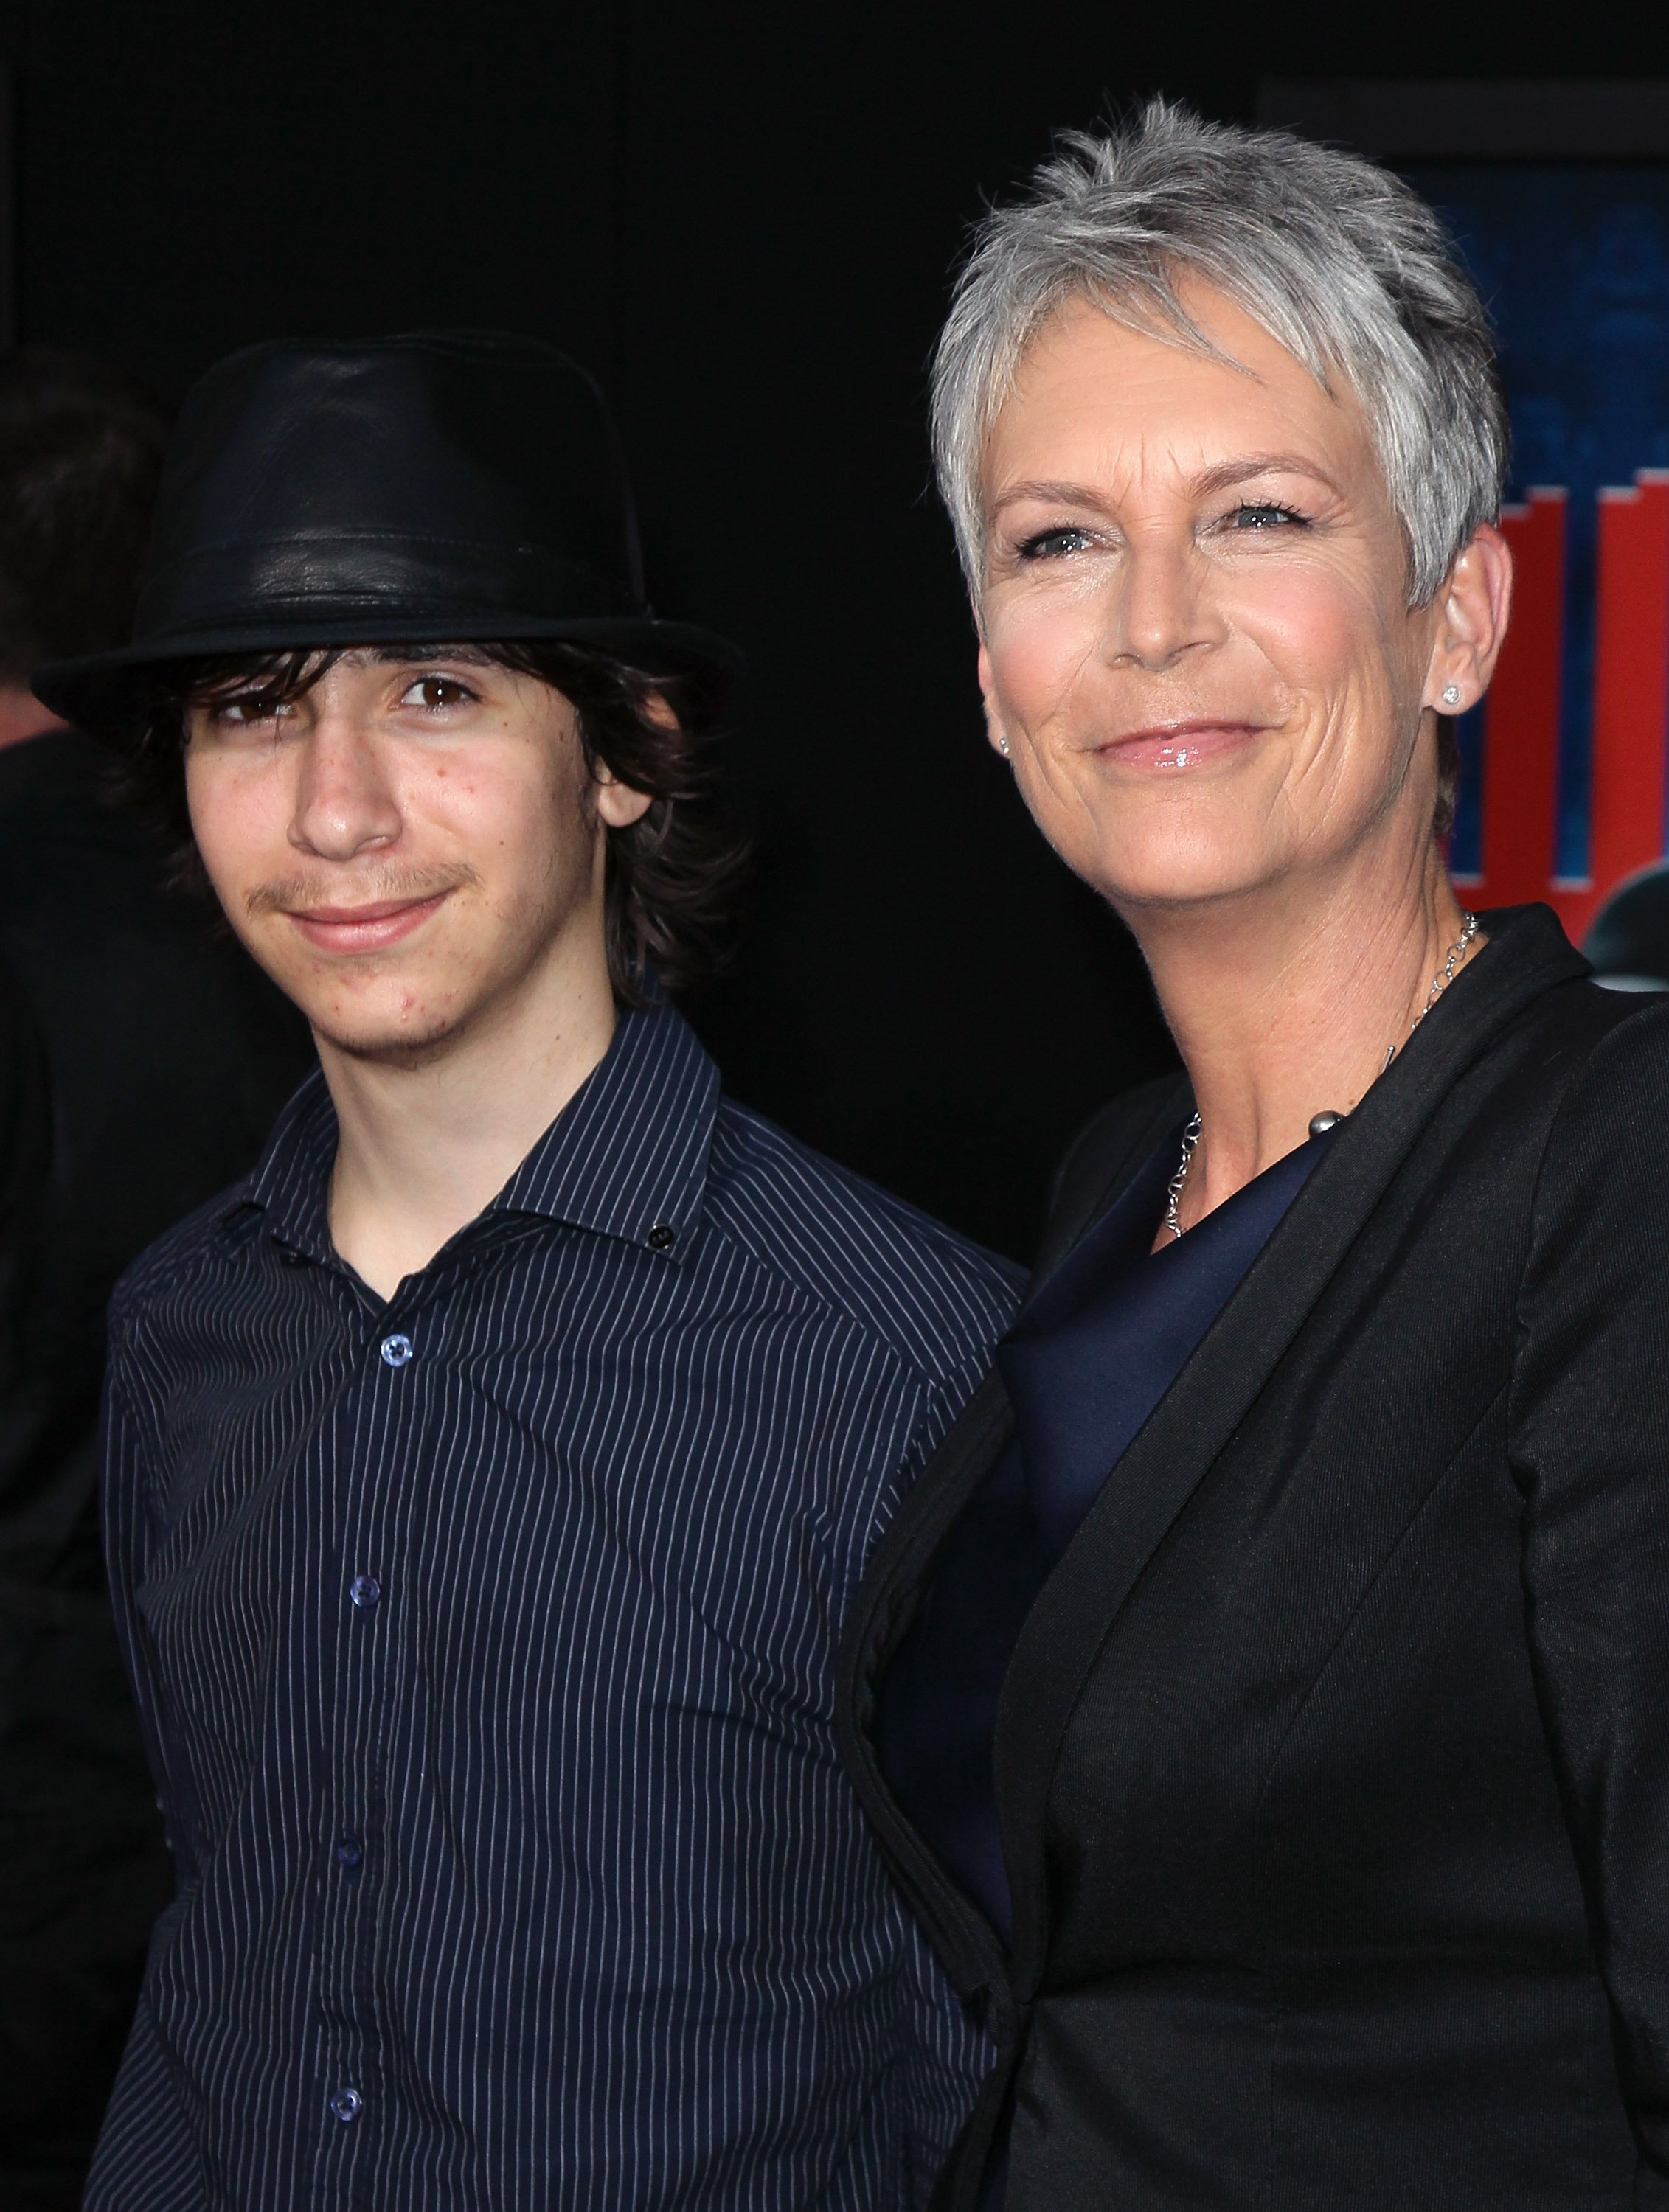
<point>1338,259</point>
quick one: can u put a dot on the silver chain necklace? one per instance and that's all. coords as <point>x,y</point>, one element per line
<point>1321,1122</point>
<point>1440,983</point>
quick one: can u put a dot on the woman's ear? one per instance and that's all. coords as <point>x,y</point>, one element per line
<point>995,736</point>
<point>1473,606</point>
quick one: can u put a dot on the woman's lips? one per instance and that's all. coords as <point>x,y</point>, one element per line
<point>363,929</point>
<point>1183,746</point>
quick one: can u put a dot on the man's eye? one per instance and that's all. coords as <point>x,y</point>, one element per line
<point>1051,545</point>
<point>247,707</point>
<point>436,693</point>
<point>1256,516</point>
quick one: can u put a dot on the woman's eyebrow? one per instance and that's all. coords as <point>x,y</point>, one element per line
<point>1048,494</point>
<point>1242,467</point>
<point>1221,476</point>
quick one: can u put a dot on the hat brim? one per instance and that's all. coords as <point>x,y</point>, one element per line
<point>108,695</point>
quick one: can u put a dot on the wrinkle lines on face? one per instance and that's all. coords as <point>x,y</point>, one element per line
<point>1226,558</point>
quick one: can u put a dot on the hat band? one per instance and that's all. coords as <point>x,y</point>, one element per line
<point>334,578</point>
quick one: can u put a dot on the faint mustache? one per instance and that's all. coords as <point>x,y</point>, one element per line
<point>297,894</point>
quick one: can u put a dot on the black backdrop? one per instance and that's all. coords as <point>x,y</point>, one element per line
<point>743,217</point>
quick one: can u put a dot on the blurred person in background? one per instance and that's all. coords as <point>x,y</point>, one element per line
<point>163,1055</point>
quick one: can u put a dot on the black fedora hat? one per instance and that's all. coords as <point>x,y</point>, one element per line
<point>439,488</point>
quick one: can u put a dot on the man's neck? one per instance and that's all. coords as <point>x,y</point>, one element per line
<point>422,1148</point>
<point>22,715</point>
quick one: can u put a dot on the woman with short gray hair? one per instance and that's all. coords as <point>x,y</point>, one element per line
<point>1264,1696</point>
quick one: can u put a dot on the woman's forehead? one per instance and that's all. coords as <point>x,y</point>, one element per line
<point>1093,393</point>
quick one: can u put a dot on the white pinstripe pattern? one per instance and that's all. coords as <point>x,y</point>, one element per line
<point>616,1938</point>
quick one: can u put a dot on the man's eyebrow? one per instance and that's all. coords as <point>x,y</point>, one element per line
<point>407,656</point>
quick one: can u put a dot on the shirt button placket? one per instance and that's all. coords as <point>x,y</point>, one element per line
<point>366,1594</point>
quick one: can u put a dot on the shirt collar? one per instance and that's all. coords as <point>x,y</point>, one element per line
<point>626,1156</point>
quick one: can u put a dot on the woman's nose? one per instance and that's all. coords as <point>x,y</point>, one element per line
<point>1159,607</point>
<point>344,802</point>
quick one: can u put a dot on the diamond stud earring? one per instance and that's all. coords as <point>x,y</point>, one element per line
<point>1002,742</point>
<point>1451,695</point>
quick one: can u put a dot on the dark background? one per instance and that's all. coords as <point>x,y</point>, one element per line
<point>745,218</point>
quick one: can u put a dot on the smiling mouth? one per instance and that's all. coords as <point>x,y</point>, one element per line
<point>364,929</point>
<point>1179,745</point>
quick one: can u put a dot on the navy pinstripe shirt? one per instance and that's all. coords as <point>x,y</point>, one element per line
<point>484,1641</point>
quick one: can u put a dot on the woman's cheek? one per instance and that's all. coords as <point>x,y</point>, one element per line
<point>1336,621</point>
<point>1036,661</point>
<point>1310,634</point>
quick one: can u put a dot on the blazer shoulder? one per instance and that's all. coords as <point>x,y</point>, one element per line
<point>1611,1095</point>
<point>1096,1163</point>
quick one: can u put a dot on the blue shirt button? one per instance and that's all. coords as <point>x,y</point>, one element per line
<point>348,1853</point>
<point>346,2104</point>
<point>396,1351</point>
<point>365,1590</point>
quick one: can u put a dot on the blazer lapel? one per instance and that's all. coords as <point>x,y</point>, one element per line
<point>1527,955</point>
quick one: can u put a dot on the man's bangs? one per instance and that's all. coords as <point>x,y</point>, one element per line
<point>282,676</point>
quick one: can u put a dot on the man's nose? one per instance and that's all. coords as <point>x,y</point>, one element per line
<point>346,804</point>
<point>1161,604</point>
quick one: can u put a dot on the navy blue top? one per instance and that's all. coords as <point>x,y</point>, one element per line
<point>484,1645</point>
<point>1092,1354</point>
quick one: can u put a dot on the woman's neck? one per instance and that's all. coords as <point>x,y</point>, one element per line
<point>1285,1003</point>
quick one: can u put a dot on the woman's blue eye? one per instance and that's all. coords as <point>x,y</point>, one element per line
<point>1049,544</point>
<point>1258,517</point>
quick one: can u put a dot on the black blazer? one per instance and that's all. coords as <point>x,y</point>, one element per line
<point>1332,1763</point>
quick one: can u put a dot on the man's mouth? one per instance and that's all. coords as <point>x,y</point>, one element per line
<point>366,928</point>
<point>1174,746</point>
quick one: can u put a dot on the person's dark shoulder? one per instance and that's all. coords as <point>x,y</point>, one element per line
<point>831,1237</point>
<point>190,1256</point>
<point>1606,1066</point>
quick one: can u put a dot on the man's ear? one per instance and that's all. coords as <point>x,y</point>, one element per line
<point>1474,608</point>
<point>618,805</point>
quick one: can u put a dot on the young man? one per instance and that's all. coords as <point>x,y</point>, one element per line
<point>487,1473</point>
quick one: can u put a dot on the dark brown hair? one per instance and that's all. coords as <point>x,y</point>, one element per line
<point>670,876</point>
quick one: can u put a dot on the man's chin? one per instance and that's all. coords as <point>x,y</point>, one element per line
<point>387,1043</point>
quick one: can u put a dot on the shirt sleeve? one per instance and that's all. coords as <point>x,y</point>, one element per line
<point>944,2056</point>
<point>1589,1438</point>
<point>126,1526</point>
